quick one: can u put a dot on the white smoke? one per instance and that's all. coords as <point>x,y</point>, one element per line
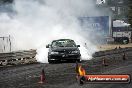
<point>38,22</point>
<point>120,23</point>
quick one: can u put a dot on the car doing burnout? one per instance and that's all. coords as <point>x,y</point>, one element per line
<point>63,49</point>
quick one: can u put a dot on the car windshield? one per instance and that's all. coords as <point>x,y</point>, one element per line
<point>63,43</point>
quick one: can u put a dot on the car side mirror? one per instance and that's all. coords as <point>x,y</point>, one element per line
<point>78,45</point>
<point>47,46</point>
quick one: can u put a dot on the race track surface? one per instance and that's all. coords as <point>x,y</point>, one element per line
<point>62,75</point>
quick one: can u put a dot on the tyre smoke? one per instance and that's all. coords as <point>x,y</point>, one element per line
<point>35,23</point>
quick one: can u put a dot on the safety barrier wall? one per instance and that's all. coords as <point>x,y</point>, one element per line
<point>114,51</point>
<point>18,57</point>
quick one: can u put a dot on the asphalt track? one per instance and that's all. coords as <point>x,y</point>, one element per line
<point>62,75</point>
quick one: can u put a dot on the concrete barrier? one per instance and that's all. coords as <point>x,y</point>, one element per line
<point>18,57</point>
<point>113,51</point>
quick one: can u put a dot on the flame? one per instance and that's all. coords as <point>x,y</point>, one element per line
<point>82,71</point>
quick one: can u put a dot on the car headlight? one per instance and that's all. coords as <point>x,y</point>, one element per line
<point>54,52</point>
<point>75,51</point>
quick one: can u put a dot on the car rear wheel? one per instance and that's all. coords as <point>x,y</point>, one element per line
<point>79,60</point>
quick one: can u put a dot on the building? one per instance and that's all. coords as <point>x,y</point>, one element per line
<point>5,44</point>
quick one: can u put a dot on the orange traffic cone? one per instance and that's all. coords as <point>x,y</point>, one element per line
<point>104,63</point>
<point>76,68</point>
<point>42,77</point>
<point>124,56</point>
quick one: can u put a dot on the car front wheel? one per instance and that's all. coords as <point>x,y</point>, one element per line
<point>49,61</point>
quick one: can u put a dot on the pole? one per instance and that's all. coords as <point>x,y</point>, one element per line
<point>10,43</point>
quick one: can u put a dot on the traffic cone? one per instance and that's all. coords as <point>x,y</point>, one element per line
<point>42,77</point>
<point>104,63</point>
<point>76,69</point>
<point>77,66</point>
<point>124,56</point>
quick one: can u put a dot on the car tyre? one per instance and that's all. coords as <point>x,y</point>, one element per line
<point>78,60</point>
<point>49,61</point>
